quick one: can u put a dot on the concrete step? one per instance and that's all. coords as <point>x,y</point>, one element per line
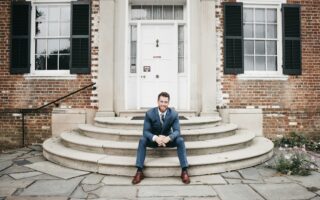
<point>131,113</point>
<point>128,123</point>
<point>80,142</point>
<point>259,151</point>
<point>118,134</point>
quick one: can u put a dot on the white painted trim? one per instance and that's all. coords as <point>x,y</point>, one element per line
<point>37,74</point>
<point>268,75</point>
<point>262,1</point>
<point>52,77</point>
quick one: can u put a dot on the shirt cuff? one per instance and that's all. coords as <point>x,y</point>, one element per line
<point>154,138</point>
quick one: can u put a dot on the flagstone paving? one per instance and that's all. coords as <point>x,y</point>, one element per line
<point>26,175</point>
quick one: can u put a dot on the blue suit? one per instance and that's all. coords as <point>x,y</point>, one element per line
<point>170,127</point>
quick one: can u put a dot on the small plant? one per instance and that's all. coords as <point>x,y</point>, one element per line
<point>294,161</point>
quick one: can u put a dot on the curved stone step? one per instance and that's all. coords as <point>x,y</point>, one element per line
<point>77,141</point>
<point>259,151</point>
<point>128,123</point>
<point>117,134</point>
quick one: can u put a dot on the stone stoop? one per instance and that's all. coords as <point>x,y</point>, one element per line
<point>110,145</point>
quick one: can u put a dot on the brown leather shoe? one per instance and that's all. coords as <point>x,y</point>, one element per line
<point>137,178</point>
<point>185,177</point>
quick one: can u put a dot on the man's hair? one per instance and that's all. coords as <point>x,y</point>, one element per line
<point>164,94</point>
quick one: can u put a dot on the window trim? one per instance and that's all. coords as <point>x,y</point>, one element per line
<point>45,73</point>
<point>268,74</point>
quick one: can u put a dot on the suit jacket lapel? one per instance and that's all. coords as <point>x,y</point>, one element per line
<point>166,120</point>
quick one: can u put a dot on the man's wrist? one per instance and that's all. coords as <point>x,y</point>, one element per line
<point>154,138</point>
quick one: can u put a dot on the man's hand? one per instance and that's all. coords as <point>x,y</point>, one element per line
<point>165,139</point>
<point>159,141</point>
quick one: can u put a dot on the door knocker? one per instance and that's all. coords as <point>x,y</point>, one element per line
<point>157,43</point>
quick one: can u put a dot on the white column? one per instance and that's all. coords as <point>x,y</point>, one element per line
<point>105,83</point>
<point>208,58</point>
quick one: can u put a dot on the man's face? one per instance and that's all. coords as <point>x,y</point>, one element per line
<point>163,103</point>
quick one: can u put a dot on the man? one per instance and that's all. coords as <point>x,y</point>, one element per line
<point>161,129</point>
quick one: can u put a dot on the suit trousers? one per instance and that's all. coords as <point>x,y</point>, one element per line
<point>145,142</point>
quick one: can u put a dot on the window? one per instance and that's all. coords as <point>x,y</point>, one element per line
<point>156,12</point>
<point>260,39</point>
<point>133,52</point>
<point>52,37</point>
<point>180,49</point>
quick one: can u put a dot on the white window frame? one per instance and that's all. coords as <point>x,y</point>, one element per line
<point>268,75</point>
<point>45,74</point>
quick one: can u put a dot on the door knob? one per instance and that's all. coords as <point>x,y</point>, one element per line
<point>157,76</point>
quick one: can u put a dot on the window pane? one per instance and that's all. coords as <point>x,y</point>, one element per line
<point>248,63</point>
<point>260,63</point>
<point>181,65</point>
<point>133,33</point>
<point>260,47</point>
<point>40,62</point>
<point>260,31</point>
<point>54,13</point>
<point>133,49</point>
<point>178,12</point>
<point>167,12</point>
<point>64,61</point>
<point>41,46</point>
<point>272,15</point>
<point>259,17</point>
<point>146,12</point>
<point>248,30</point>
<point>41,13</point>
<point>271,47</point>
<point>53,46</point>
<point>248,47</point>
<point>135,12</point>
<point>181,49</point>
<point>64,46</point>
<point>272,31</point>
<point>64,29</point>
<point>53,29</point>
<point>248,15</point>
<point>272,63</point>
<point>65,13</point>
<point>41,29</point>
<point>157,12</point>
<point>52,62</point>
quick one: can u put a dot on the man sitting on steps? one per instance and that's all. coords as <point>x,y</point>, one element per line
<point>161,129</point>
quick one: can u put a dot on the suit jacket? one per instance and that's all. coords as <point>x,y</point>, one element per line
<point>152,125</point>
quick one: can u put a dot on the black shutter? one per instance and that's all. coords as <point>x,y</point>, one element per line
<point>80,38</point>
<point>20,38</point>
<point>233,38</point>
<point>291,39</point>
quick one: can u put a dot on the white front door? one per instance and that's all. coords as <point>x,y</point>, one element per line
<point>158,68</point>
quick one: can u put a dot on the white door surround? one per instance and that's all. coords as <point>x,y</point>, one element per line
<point>114,80</point>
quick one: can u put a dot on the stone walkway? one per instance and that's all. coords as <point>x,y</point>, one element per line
<point>25,174</point>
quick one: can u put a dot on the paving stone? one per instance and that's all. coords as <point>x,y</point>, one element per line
<point>93,196</point>
<point>6,191</point>
<point>290,191</point>
<point>312,180</point>
<point>10,156</point>
<point>318,192</point>
<point>247,181</point>
<point>238,192</point>
<point>42,177</point>
<point>89,188</point>
<point>201,198</point>
<point>233,181</point>
<point>234,175</point>
<point>316,198</point>
<point>6,181</point>
<point>164,198</point>
<point>79,193</point>
<point>36,159</point>
<point>119,180</point>
<point>16,169</point>
<point>21,162</point>
<point>177,191</point>
<point>36,198</point>
<point>250,173</point>
<point>52,187</point>
<point>93,179</point>
<point>111,192</point>
<point>266,172</point>
<point>278,179</point>
<point>24,175</point>
<point>208,180</point>
<point>56,170</point>
<point>36,148</point>
<point>5,164</point>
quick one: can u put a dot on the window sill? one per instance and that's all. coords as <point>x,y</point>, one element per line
<point>50,77</point>
<point>271,77</point>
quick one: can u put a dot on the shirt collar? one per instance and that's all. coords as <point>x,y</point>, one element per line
<point>165,112</point>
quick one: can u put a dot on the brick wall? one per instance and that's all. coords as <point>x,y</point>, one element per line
<point>17,91</point>
<point>291,105</point>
